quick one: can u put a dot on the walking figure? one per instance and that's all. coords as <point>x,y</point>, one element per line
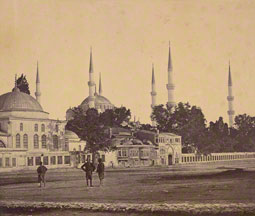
<point>88,168</point>
<point>41,170</point>
<point>100,170</point>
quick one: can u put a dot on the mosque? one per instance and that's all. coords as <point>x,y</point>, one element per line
<point>28,135</point>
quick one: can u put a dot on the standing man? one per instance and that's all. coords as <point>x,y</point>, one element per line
<point>41,170</point>
<point>100,170</point>
<point>88,168</point>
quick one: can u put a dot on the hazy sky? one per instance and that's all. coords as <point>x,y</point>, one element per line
<point>127,37</point>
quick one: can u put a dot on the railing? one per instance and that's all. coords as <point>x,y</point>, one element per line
<point>195,158</point>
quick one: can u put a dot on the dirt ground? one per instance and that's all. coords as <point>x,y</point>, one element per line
<point>224,182</point>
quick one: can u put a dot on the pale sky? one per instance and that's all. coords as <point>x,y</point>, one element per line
<point>127,37</point>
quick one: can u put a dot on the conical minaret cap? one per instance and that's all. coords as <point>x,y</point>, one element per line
<point>37,74</point>
<point>229,76</point>
<point>170,67</point>
<point>100,85</point>
<point>91,62</point>
<point>153,76</point>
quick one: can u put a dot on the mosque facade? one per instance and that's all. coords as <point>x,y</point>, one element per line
<point>28,135</point>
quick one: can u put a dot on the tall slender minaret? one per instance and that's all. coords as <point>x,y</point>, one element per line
<point>230,99</point>
<point>100,86</point>
<point>153,93</point>
<point>38,92</point>
<point>170,85</point>
<point>91,83</point>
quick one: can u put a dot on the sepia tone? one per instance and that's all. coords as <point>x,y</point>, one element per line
<point>135,54</point>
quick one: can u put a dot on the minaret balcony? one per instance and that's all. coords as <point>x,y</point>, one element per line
<point>170,86</point>
<point>231,112</point>
<point>230,98</point>
<point>153,93</point>
<point>91,83</point>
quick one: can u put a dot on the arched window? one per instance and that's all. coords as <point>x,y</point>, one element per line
<point>21,126</point>
<point>66,144</point>
<point>2,145</point>
<point>43,128</point>
<point>17,141</point>
<point>55,141</point>
<point>25,141</point>
<point>36,127</point>
<point>44,141</point>
<point>36,141</point>
<point>57,128</point>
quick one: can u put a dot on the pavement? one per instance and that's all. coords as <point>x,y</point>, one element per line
<point>173,208</point>
<point>221,200</point>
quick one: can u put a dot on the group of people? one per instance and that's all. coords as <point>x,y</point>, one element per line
<point>87,167</point>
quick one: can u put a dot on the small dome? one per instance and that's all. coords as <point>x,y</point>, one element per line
<point>19,101</point>
<point>137,142</point>
<point>71,135</point>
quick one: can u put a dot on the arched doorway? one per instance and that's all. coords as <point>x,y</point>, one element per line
<point>170,159</point>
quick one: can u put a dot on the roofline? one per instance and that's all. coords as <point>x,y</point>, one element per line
<point>23,118</point>
<point>27,110</point>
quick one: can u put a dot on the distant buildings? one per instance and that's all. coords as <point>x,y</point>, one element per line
<point>28,136</point>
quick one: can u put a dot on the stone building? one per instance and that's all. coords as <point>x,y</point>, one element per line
<point>168,144</point>
<point>28,135</point>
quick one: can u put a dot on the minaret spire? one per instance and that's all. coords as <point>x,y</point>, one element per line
<point>230,99</point>
<point>170,86</point>
<point>91,83</point>
<point>15,84</point>
<point>38,92</point>
<point>15,89</point>
<point>153,93</point>
<point>100,85</point>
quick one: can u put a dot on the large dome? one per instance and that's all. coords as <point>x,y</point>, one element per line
<point>101,102</point>
<point>98,100</point>
<point>19,101</point>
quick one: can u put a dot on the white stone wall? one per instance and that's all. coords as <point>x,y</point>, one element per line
<point>29,129</point>
<point>195,158</point>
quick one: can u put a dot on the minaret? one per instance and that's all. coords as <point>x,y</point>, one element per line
<point>230,99</point>
<point>153,93</point>
<point>100,86</point>
<point>15,89</point>
<point>91,83</point>
<point>170,85</point>
<point>38,92</point>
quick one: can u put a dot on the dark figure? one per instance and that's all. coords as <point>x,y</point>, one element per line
<point>100,170</point>
<point>88,168</point>
<point>41,170</point>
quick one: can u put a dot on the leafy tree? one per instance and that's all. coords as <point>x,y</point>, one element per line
<point>115,117</point>
<point>92,126</point>
<point>147,127</point>
<point>22,84</point>
<point>217,138</point>
<point>244,133</point>
<point>185,120</point>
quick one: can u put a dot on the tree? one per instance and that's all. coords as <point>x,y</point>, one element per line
<point>185,120</point>
<point>22,84</point>
<point>217,138</point>
<point>115,117</point>
<point>92,126</point>
<point>244,133</point>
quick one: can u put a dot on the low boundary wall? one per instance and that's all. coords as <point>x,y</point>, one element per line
<point>198,158</point>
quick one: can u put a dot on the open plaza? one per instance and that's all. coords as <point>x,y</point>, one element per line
<point>219,188</point>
